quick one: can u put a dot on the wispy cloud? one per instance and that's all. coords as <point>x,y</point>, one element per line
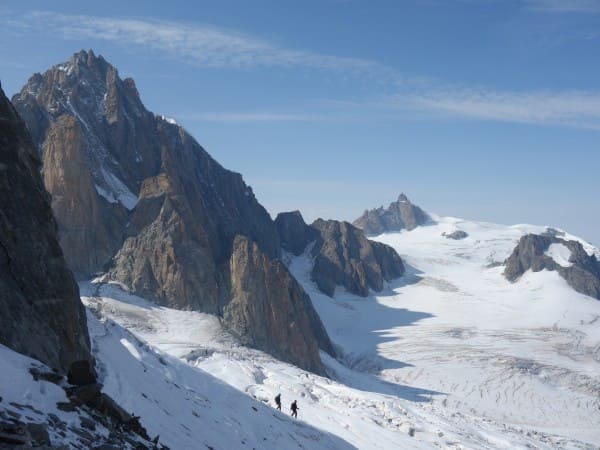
<point>573,109</point>
<point>248,117</point>
<point>562,6</point>
<point>199,44</point>
<point>211,46</point>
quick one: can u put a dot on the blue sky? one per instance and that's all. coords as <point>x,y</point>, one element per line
<point>482,109</point>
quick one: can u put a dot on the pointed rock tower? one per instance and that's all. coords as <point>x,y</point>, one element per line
<point>400,215</point>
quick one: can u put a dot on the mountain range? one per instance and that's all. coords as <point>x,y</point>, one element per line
<point>137,197</point>
<point>196,302</point>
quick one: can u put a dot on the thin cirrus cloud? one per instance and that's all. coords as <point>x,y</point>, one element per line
<point>211,46</point>
<point>198,44</point>
<point>573,109</point>
<point>232,117</point>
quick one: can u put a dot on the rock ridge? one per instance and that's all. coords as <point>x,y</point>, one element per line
<point>342,255</point>
<point>137,197</point>
<point>399,215</point>
<point>582,273</point>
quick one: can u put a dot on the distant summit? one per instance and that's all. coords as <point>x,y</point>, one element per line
<point>400,215</point>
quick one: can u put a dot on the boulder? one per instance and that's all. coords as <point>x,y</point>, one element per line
<point>81,373</point>
<point>456,235</point>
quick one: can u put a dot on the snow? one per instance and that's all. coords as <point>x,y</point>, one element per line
<point>521,355</point>
<point>452,355</point>
<point>169,120</point>
<point>34,400</point>
<point>186,405</point>
<point>67,67</point>
<point>118,191</point>
<point>560,253</point>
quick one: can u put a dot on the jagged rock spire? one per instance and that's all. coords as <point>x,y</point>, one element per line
<point>399,215</point>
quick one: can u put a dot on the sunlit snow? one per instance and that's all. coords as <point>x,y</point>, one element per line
<point>560,253</point>
<point>452,355</point>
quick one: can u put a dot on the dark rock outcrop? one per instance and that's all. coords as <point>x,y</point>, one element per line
<point>343,256</point>
<point>400,215</point>
<point>94,420</point>
<point>135,194</point>
<point>583,273</point>
<point>294,233</point>
<point>41,313</point>
<point>456,235</point>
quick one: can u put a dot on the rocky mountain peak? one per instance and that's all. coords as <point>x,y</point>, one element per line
<point>400,215</point>
<point>137,197</point>
<point>90,127</point>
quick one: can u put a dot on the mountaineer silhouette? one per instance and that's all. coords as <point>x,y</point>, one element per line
<point>278,401</point>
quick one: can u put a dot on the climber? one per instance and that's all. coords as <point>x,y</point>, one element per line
<point>278,401</point>
<point>294,409</point>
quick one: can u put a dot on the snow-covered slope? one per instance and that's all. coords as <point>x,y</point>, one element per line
<point>452,355</point>
<point>524,355</point>
<point>192,383</point>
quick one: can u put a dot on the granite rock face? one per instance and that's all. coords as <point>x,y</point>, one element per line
<point>582,274</point>
<point>269,307</point>
<point>90,227</point>
<point>400,215</point>
<point>294,233</point>
<point>342,255</point>
<point>41,313</point>
<point>135,195</point>
<point>97,144</point>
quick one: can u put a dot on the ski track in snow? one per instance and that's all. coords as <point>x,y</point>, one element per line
<point>450,356</point>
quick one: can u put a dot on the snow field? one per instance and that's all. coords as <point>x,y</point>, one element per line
<point>450,356</point>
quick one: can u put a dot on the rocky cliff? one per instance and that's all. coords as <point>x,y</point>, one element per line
<point>400,215</point>
<point>342,255</point>
<point>42,315</point>
<point>345,257</point>
<point>270,309</point>
<point>580,270</point>
<point>136,195</point>
<point>294,233</point>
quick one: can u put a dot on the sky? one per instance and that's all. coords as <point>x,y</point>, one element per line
<point>487,110</point>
